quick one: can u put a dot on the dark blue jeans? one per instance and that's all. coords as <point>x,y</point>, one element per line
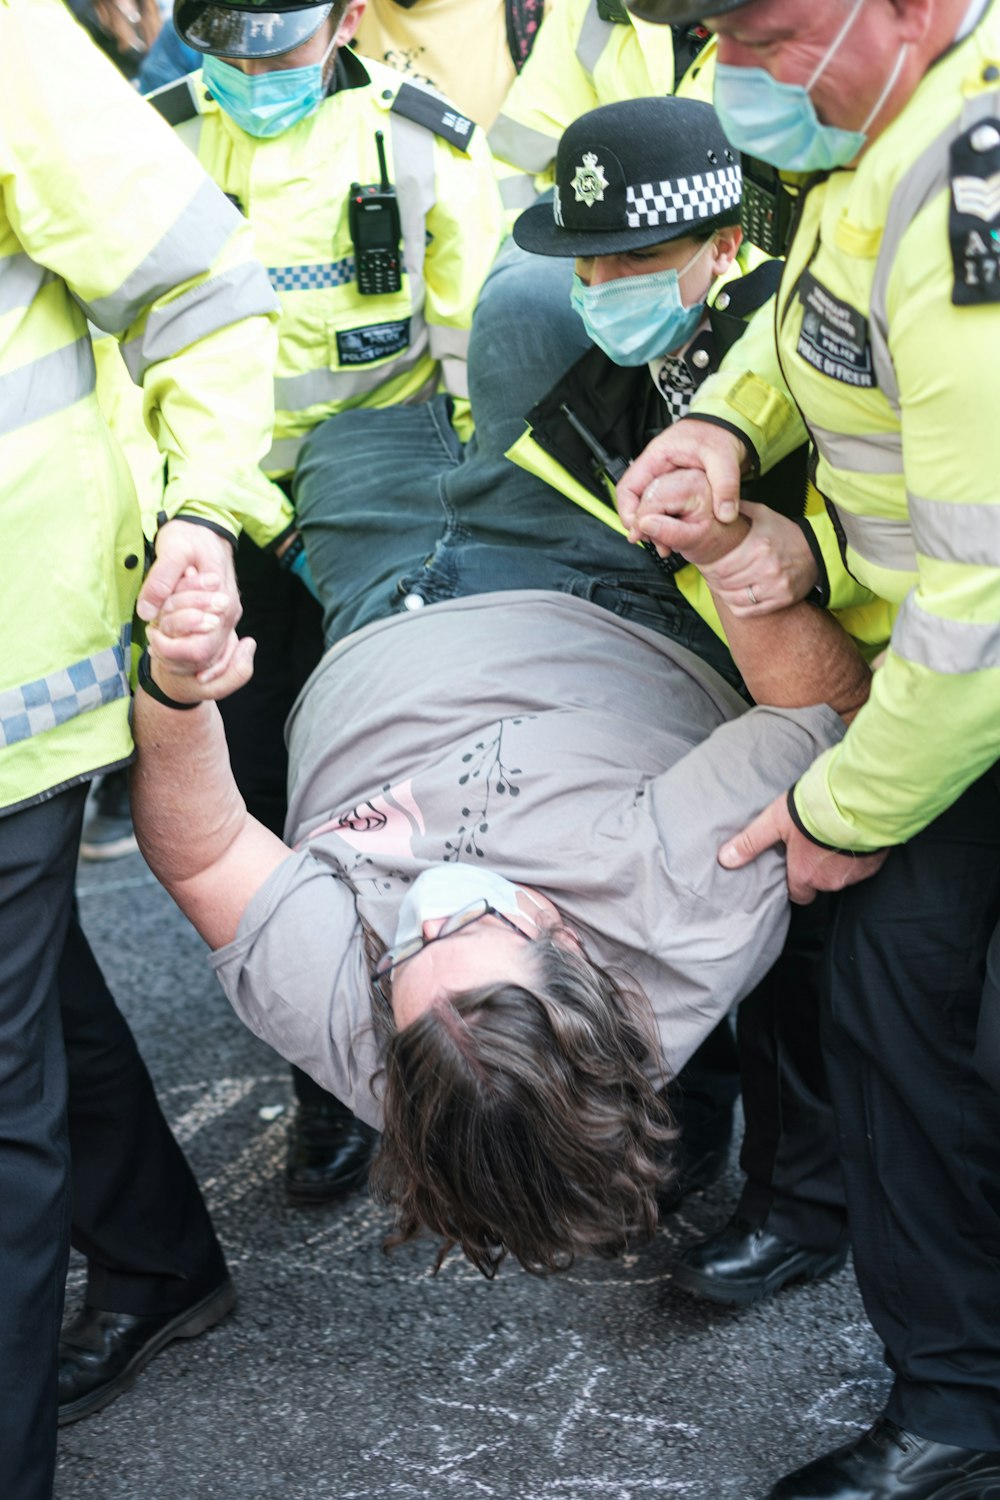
<point>395,513</point>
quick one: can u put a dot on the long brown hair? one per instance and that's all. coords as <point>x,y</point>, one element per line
<point>520,1119</point>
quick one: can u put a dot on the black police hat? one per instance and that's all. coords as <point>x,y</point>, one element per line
<point>634,174</point>
<point>245,29</point>
<point>671,12</point>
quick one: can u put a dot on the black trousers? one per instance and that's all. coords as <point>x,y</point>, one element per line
<point>918,1126</point>
<point>794,1186</point>
<point>136,1209</point>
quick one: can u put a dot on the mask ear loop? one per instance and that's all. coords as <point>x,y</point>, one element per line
<point>696,257</point>
<point>834,45</point>
<point>328,54</point>
<point>890,85</point>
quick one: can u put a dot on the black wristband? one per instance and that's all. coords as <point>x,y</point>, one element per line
<point>292,553</point>
<point>149,685</point>
<point>163,519</point>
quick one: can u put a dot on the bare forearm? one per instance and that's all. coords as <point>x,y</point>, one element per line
<point>185,804</point>
<point>795,657</point>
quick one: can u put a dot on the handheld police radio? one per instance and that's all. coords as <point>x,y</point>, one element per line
<point>768,207</point>
<point>373,218</point>
<point>607,470</point>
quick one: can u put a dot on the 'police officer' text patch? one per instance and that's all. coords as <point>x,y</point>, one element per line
<point>974,218</point>
<point>834,337</point>
<point>363,346</point>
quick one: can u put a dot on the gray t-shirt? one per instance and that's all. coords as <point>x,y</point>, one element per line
<point>558,745</point>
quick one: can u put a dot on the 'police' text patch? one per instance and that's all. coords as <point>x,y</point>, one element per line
<point>363,346</point>
<point>834,337</point>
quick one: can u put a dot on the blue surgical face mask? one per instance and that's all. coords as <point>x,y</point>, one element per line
<point>444,889</point>
<point>778,122</point>
<point>638,318</point>
<point>267,104</point>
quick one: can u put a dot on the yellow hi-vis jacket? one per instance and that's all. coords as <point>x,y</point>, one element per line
<point>579,61</point>
<point>888,344</point>
<point>338,349</point>
<point>103,215</point>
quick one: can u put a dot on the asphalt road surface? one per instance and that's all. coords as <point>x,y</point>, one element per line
<point>345,1374</point>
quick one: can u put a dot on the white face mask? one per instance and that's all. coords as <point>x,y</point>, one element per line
<point>444,889</point>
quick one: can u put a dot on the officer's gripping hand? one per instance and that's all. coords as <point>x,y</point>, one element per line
<point>196,608</point>
<point>811,868</point>
<point>710,452</point>
<point>771,568</point>
<point>182,545</point>
<point>193,610</point>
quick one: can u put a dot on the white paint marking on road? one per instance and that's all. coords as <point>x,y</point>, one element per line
<point>217,1100</point>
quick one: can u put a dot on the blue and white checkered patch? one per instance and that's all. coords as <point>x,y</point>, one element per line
<point>311,278</point>
<point>685,200</point>
<point>49,701</point>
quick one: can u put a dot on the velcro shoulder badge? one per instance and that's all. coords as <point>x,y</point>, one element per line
<point>435,113</point>
<point>974,216</point>
<point>175,102</point>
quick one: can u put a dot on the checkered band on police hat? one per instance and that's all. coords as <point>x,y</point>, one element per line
<point>684,200</point>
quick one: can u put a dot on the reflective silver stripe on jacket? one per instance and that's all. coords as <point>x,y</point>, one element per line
<point>413,170</point>
<point>927,177</point>
<point>189,133</point>
<point>874,453</point>
<point>282,456</point>
<point>241,292</point>
<point>879,540</point>
<point>949,647</point>
<point>323,387</point>
<point>455,373</point>
<point>594,37</point>
<point>188,249</point>
<point>21,279</point>
<point>517,193</point>
<point>952,532</point>
<point>52,700</point>
<point>447,341</point>
<point>46,385</point>
<point>531,150</point>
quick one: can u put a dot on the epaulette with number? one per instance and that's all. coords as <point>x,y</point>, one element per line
<point>174,101</point>
<point>435,113</point>
<point>974,214</point>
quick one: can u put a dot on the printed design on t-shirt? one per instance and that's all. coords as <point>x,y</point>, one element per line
<point>384,826</point>
<point>404,60</point>
<point>485,766</point>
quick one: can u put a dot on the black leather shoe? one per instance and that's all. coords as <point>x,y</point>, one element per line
<point>329,1153</point>
<point>887,1463</point>
<point>102,1354</point>
<point>740,1264</point>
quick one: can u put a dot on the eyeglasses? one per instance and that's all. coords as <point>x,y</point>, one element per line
<point>392,958</point>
